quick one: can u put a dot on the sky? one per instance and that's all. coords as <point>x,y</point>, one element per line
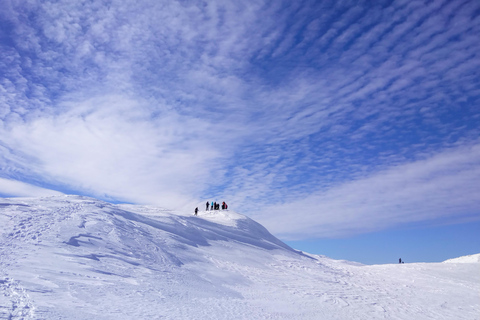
<point>326,121</point>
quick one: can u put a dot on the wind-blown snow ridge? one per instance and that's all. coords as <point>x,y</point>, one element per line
<point>71,257</point>
<point>473,258</point>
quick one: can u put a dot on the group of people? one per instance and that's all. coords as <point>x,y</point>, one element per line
<point>213,206</point>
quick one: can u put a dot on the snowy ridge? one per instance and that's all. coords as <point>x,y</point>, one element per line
<point>70,257</point>
<point>474,258</point>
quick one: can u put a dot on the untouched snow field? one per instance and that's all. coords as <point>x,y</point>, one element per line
<point>70,257</point>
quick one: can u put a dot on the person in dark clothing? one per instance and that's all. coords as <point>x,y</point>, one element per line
<point>400,260</point>
<point>208,205</point>
<point>196,210</point>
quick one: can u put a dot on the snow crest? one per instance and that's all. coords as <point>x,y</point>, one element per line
<point>474,258</point>
<point>71,257</point>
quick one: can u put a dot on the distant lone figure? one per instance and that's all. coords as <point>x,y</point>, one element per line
<point>208,205</point>
<point>196,210</point>
<point>400,260</point>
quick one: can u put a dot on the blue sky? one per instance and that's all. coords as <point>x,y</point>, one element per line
<point>323,120</point>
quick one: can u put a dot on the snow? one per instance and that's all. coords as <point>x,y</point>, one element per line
<point>474,258</point>
<point>71,257</point>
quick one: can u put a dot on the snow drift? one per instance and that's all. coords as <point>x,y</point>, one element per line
<point>70,257</point>
<point>474,258</point>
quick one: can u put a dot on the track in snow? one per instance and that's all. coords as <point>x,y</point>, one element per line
<point>78,258</point>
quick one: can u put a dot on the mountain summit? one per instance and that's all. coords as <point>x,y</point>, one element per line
<point>71,257</point>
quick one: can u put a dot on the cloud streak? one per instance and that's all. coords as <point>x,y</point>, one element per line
<point>441,188</point>
<point>12,188</point>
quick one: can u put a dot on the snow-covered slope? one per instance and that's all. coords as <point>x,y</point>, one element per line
<point>474,258</point>
<point>69,257</point>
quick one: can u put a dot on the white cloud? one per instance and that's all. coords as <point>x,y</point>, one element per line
<point>110,146</point>
<point>165,101</point>
<point>12,188</point>
<point>443,187</point>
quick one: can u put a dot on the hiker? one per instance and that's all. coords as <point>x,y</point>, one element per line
<point>400,260</point>
<point>196,210</point>
<point>208,205</point>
